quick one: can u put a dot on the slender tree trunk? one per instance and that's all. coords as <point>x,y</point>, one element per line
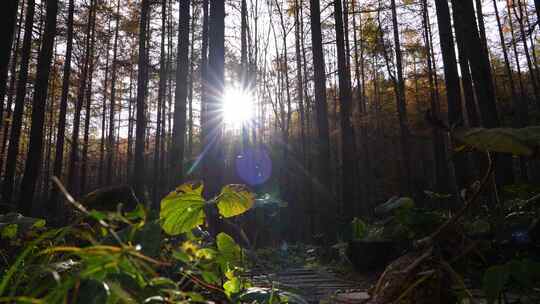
<point>192,59</point>
<point>466,79</point>
<point>483,80</point>
<point>322,182</point>
<point>142,84</point>
<point>163,71</point>
<point>104,110</point>
<point>348,146</point>
<point>532,71</point>
<point>16,125</point>
<point>35,150</point>
<point>61,131</point>
<point>179,129</point>
<point>522,116</point>
<point>88,95</point>
<point>8,20</point>
<point>300,82</point>
<point>215,80</point>
<point>452,86</point>
<point>401,103</point>
<point>130,126</point>
<point>13,77</point>
<point>244,62</point>
<point>515,99</point>
<point>110,142</point>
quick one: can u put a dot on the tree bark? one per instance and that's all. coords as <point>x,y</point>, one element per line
<point>9,19</point>
<point>74,161</point>
<point>179,128</point>
<point>16,125</point>
<point>142,85</point>
<point>110,142</point>
<point>35,149</point>
<point>348,145</point>
<point>61,131</point>
<point>402,105</point>
<point>322,182</point>
<point>483,80</point>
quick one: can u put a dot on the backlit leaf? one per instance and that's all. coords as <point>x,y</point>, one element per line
<point>234,200</point>
<point>183,209</point>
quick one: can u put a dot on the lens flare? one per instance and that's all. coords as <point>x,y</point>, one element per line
<point>237,107</point>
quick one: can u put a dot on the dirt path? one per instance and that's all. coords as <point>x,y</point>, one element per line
<point>316,285</point>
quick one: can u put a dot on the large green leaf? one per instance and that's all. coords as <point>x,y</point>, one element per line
<point>234,200</point>
<point>232,286</point>
<point>523,142</point>
<point>230,253</point>
<point>183,209</point>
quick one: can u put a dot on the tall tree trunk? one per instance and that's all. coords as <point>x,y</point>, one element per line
<point>212,165</point>
<point>88,104</point>
<point>439,149</point>
<point>453,96</point>
<point>11,93</point>
<point>35,150</point>
<point>74,162</point>
<point>322,182</point>
<point>163,71</point>
<point>9,19</point>
<point>179,129</point>
<point>192,59</point>
<point>522,116</point>
<point>110,142</point>
<point>300,82</point>
<point>532,70</point>
<point>142,85</point>
<point>61,131</point>
<point>244,62</point>
<point>16,125</point>
<point>515,99</point>
<point>101,176</point>
<point>204,68</point>
<point>348,146</point>
<point>483,80</point>
<point>401,104</point>
<point>466,79</point>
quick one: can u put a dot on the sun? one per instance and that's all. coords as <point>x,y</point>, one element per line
<point>237,107</point>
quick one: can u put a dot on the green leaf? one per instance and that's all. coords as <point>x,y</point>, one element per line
<point>521,142</point>
<point>9,231</point>
<point>210,277</point>
<point>183,209</point>
<point>228,248</point>
<point>494,281</point>
<point>206,253</point>
<point>359,229</point>
<point>39,223</point>
<point>181,256</point>
<point>232,286</point>
<point>234,200</point>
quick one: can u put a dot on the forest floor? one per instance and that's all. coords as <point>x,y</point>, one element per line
<point>299,270</point>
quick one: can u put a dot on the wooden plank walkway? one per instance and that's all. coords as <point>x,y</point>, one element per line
<point>312,284</point>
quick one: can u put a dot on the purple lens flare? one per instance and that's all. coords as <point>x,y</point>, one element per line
<point>254,166</point>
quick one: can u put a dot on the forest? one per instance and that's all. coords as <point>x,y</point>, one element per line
<point>270,151</point>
